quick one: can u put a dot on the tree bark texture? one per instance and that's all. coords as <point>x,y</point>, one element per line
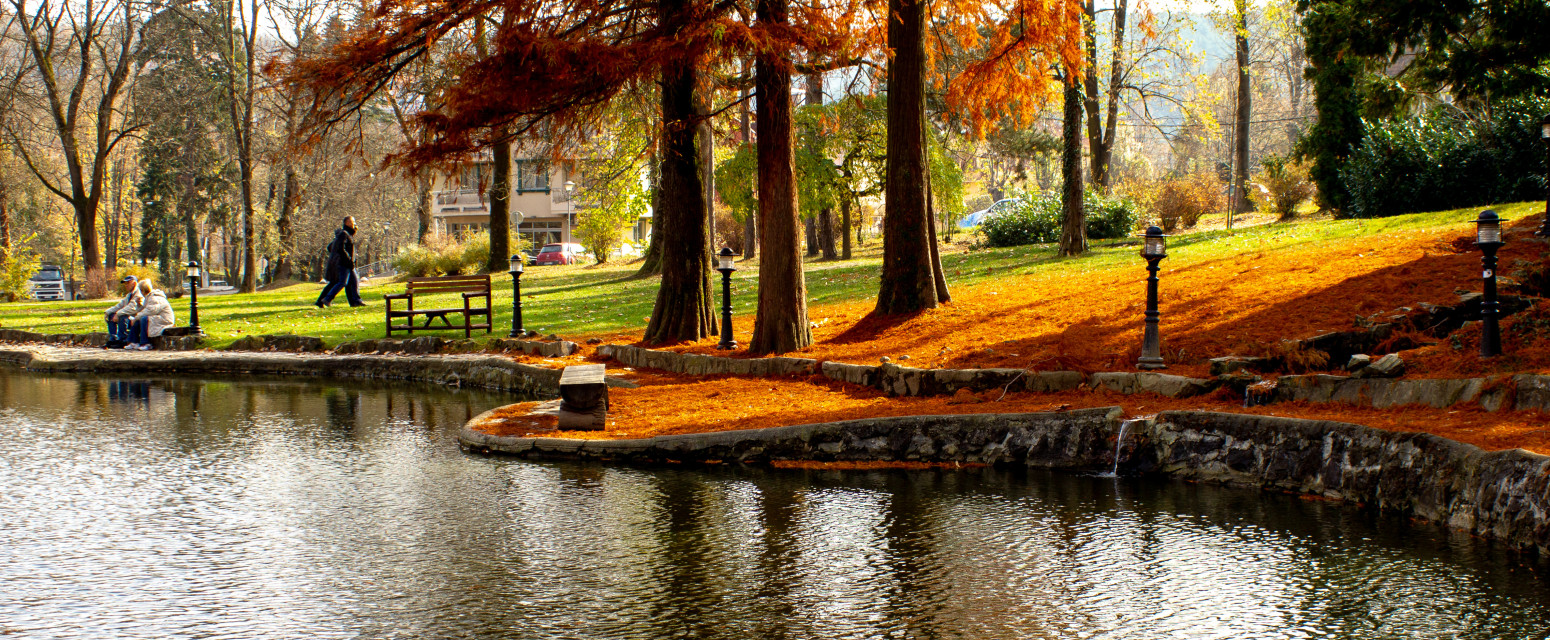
<point>938,278</point>
<point>1101,131</point>
<point>826,234</point>
<point>745,135</point>
<point>500,207</point>
<point>845,228</point>
<point>1073,232</point>
<point>908,281</point>
<point>425,223</point>
<point>1240,178</point>
<point>682,312</point>
<point>781,324</point>
<point>810,233</point>
<point>290,195</point>
<point>651,261</point>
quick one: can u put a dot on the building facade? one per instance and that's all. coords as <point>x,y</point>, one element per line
<point>542,211</point>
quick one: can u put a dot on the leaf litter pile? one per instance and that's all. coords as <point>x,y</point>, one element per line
<point>1243,304</point>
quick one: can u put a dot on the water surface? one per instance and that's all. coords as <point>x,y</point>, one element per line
<point>284,509</point>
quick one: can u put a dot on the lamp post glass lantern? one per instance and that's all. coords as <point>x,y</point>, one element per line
<point>1153,249</point>
<point>518,261</point>
<point>1488,236</point>
<point>726,267</point>
<point>193,298</point>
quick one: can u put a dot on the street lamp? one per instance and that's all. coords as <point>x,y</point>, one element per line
<point>570,214</point>
<point>726,267</point>
<point>1153,250</point>
<point>1544,136</point>
<point>193,299</point>
<point>517,260</point>
<point>1488,237</point>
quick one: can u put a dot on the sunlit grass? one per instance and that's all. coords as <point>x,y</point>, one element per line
<point>578,300</point>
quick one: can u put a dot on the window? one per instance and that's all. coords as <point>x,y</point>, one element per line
<point>474,176</point>
<point>532,175</point>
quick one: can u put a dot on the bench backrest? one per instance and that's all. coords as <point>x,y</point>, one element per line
<point>448,284</point>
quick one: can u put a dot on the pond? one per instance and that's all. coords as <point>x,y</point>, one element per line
<point>177,508</point>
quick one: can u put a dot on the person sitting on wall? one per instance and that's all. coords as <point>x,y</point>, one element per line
<point>155,316</point>
<point>119,315</point>
<point>341,267</point>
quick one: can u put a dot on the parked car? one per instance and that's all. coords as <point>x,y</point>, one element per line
<point>978,217</point>
<point>560,253</point>
<point>49,284</point>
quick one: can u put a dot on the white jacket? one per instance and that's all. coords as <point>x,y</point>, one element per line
<point>159,311</point>
<point>130,305</point>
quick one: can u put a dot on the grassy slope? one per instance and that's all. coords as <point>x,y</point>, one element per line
<point>578,300</point>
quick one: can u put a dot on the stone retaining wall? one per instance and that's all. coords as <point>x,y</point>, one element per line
<point>165,343</point>
<point>487,372</point>
<point>1521,392</point>
<point>1502,494</point>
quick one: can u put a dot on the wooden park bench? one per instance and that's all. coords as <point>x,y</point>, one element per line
<point>470,286</point>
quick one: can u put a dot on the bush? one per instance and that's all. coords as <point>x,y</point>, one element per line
<point>1447,160</point>
<point>95,286</point>
<point>1038,220</point>
<point>1181,202</point>
<point>15,271</point>
<point>1287,184</point>
<point>444,255</point>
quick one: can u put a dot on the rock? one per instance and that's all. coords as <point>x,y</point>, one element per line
<point>1389,366</point>
<point>551,337</point>
<point>885,359</point>
<point>294,344</point>
<point>903,358</point>
<point>1234,364</point>
<point>594,341</point>
<point>1358,362</point>
<point>246,343</point>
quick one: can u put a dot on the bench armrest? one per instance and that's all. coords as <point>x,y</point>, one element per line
<point>485,294</point>
<point>395,296</point>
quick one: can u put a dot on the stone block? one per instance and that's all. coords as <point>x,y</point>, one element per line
<point>1159,383</point>
<point>1234,364</point>
<point>861,374</point>
<point>1389,366</point>
<point>1358,362</point>
<point>1052,381</point>
<point>249,343</point>
<point>293,344</point>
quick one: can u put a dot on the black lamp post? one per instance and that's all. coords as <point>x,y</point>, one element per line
<point>517,261</point>
<point>1154,250</point>
<point>193,299</point>
<point>1489,237</point>
<point>726,267</point>
<point>1544,136</point>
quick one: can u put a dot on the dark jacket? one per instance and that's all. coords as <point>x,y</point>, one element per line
<point>341,253</point>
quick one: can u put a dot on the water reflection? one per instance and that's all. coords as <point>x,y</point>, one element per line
<point>181,508</point>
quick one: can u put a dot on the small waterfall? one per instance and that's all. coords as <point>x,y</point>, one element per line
<point>1118,442</point>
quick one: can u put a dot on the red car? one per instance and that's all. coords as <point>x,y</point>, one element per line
<point>559,253</point>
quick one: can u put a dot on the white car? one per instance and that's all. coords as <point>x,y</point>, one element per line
<point>978,217</point>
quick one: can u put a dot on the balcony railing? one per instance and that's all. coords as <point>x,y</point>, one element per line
<point>457,200</point>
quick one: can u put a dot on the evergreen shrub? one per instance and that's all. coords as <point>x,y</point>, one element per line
<point>1037,219</point>
<point>1446,159</point>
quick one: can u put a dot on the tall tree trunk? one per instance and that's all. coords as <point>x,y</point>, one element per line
<point>1090,85</point>
<point>1073,232</point>
<point>1240,177</point>
<point>651,261</point>
<point>707,143</point>
<point>781,324</point>
<point>826,233</point>
<point>845,228</point>
<point>424,223</point>
<point>110,249</point>
<point>1102,124</point>
<point>5,219</point>
<point>682,312</point>
<point>908,281</point>
<point>289,198</point>
<point>938,278</point>
<point>745,135</point>
<point>810,233</point>
<point>500,206</point>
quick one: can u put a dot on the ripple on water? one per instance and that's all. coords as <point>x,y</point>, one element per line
<point>274,509</point>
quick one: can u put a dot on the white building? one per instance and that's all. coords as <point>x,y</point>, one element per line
<point>541,210</point>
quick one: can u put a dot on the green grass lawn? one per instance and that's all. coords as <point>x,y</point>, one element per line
<point>576,300</point>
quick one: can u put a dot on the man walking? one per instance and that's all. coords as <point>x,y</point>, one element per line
<point>119,315</point>
<point>341,267</point>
